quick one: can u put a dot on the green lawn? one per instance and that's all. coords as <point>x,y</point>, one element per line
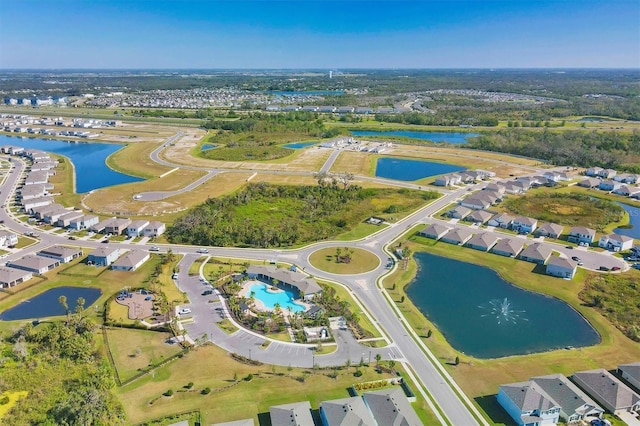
<point>134,350</point>
<point>363,320</point>
<point>25,241</point>
<point>227,326</point>
<point>360,261</point>
<point>359,231</point>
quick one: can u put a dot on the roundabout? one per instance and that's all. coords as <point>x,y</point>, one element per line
<point>344,260</point>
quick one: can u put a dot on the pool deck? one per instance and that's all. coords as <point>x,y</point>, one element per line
<point>259,304</point>
<point>139,308</point>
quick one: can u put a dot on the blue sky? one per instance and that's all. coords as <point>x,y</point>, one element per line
<point>319,34</point>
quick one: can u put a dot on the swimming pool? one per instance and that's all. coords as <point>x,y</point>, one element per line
<point>284,298</point>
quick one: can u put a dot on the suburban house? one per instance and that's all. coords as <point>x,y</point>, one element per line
<point>536,253</point>
<point>103,256</point>
<point>593,171</point>
<point>482,242</point>
<point>480,200</point>
<point>154,229</point>
<point>626,178</point>
<point>509,247</point>
<point>11,277</point>
<point>434,231</point>
<point>580,234</point>
<point>8,238</point>
<point>498,188</point>
<point>609,185</point>
<point>457,236</point>
<point>116,225</point>
<point>513,188</point>
<point>296,414</point>
<point>561,267</point>
<point>613,395</point>
<point>29,205</point>
<point>459,212</point>
<point>631,373</point>
<point>35,264</point>
<point>305,285</point>
<point>574,404</point>
<point>135,228</point>
<point>607,173</point>
<point>65,220</point>
<point>391,407</point>
<point>627,191</point>
<point>448,180</point>
<point>528,404</point>
<point>589,183</point>
<point>61,253</point>
<point>52,216</point>
<point>40,211</point>
<point>346,411</point>
<point>131,260</point>
<point>524,224</point>
<point>615,242</point>
<point>502,220</point>
<point>550,230</point>
<point>479,216</point>
<point>84,222</point>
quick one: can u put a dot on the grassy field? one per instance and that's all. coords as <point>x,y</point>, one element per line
<point>134,350</point>
<point>359,231</point>
<point>360,261</point>
<point>211,367</point>
<point>228,327</point>
<point>480,378</point>
<point>134,160</point>
<point>569,209</point>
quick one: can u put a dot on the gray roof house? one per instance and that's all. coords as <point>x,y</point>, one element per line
<point>524,224</point>
<point>476,201</point>
<point>551,230</point>
<point>10,277</point>
<point>434,231</point>
<point>631,373</point>
<point>503,220</point>
<point>61,253</point>
<point>509,247</point>
<point>103,256</point>
<point>561,267</point>
<point>391,407</point>
<point>479,216</point>
<point>131,260</point>
<point>580,234</point>
<point>482,241</point>
<point>606,389</point>
<point>528,404</point>
<point>36,264</point>
<point>536,253</point>
<point>457,236</point>
<point>117,225</point>
<point>296,414</point>
<point>459,212</point>
<point>575,405</point>
<point>346,412</point>
<point>589,183</point>
<point>297,280</point>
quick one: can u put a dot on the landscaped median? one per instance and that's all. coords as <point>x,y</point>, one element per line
<point>344,260</point>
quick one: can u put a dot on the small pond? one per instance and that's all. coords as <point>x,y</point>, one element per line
<point>448,137</point>
<point>482,315</point>
<point>89,160</point>
<point>207,146</point>
<point>47,305</point>
<point>634,221</point>
<point>408,170</point>
<point>299,145</point>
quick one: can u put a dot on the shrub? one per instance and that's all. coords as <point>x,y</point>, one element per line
<point>206,391</point>
<point>168,393</point>
<point>358,373</point>
<point>189,385</point>
<point>4,400</point>
<point>249,377</point>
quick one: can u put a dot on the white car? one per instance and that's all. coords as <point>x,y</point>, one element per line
<point>203,250</point>
<point>184,311</point>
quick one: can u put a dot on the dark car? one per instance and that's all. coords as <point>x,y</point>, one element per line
<point>104,241</point>
<point>604,268</point>
<point>615,268</point>
<point>207,292</point>
<point>576,258</point>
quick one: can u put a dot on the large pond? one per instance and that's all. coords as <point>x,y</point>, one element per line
<point>89,160</point>
<point>634,221</point>
<point>408,170</point>
<point>47,304</point>
<point>448,137</point>
<point>299,145</point>
<point>482,315</point>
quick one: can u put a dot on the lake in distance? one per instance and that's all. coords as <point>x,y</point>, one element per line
<point>299,145</point>
<point>409,170</point>
<point>89,160</point>
<point>439,137</point>
<point>484,316</point>
<point>47,305</point>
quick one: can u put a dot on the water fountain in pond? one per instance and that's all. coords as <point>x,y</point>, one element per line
<point>503,311</point>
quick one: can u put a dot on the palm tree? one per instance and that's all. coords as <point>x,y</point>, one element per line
<point>63,302</point>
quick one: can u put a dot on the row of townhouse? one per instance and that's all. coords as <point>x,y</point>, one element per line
<point>509,247</point>
<point>331,109</point>
<point>608,185</point>
<point>136,228</point>
<point>20,270</point>
<point>601,173</point>
<point>546,400</point>
<point>469,176</point>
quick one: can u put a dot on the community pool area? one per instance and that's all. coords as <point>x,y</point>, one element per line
<point>284,298</point>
